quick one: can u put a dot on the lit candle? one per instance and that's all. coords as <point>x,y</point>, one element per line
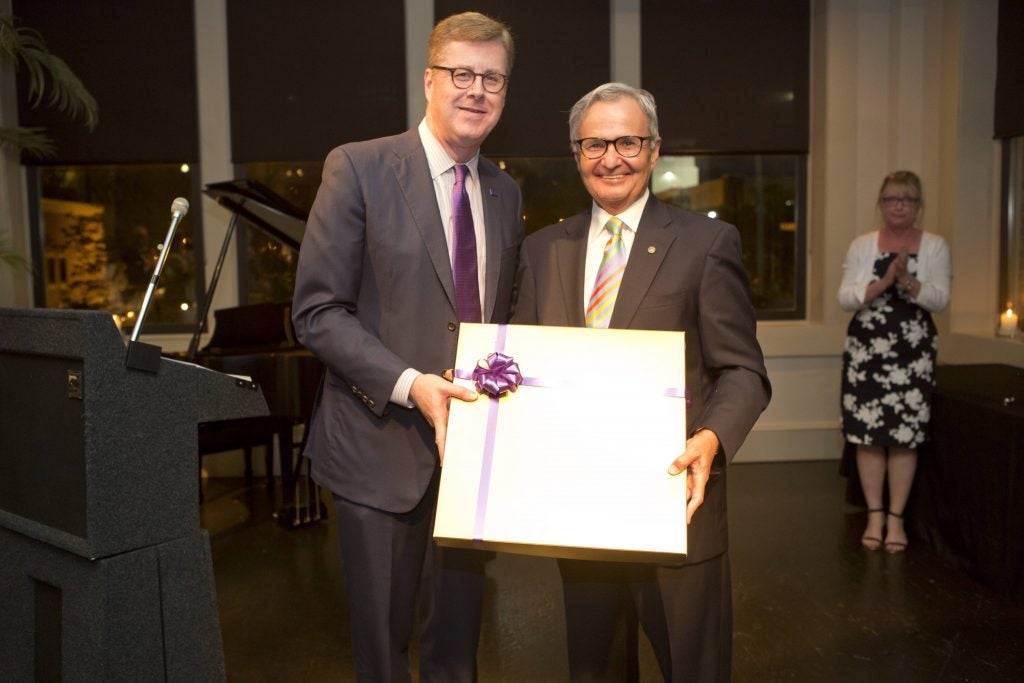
<point>1008,323</point>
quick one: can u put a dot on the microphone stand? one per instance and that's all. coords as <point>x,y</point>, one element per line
<point>142,356</point>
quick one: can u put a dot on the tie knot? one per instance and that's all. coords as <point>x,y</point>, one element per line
<point>460,172</point>
<point>614,226</point>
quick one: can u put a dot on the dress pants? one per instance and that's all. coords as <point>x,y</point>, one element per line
<point>685,611</point>
<point>388,560</point>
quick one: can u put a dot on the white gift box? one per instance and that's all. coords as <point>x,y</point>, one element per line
<point>574,463</point>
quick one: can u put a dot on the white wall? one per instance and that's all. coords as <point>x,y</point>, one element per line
<point>894,85</point>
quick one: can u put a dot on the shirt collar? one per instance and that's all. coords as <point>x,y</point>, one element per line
<point>631,216</point>
<point>437,158</point>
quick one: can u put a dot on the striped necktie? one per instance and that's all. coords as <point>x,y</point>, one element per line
<point>606,286</point>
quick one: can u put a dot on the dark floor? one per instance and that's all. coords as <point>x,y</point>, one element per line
<point>810,604</point>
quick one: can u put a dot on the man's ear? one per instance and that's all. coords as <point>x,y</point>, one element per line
<point>428,82</point>
<point>655,151</point>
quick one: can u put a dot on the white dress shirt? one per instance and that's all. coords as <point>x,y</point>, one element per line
<point>442,174</point>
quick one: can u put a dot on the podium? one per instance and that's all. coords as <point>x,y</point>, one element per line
<point>105,572</point>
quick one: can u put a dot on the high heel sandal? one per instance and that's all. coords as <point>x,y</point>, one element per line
<point>893,547</point>
<point>872,542</point>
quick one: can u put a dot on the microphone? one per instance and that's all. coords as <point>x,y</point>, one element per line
<point>179,207</point>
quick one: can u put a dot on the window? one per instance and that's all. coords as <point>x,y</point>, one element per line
<point>756,193</point>
<point>1013,179</point>
<point>759,195</point>
<point>101,231</point>
<point>267,267</point>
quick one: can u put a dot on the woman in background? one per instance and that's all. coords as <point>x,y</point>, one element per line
<point>893,279</point>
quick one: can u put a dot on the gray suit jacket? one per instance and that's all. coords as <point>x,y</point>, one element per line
<point>684,273</point>
<point>374,295</point>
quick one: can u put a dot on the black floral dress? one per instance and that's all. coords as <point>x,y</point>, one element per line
<point>889,368</point>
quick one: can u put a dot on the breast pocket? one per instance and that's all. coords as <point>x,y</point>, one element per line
<point>661,311</point>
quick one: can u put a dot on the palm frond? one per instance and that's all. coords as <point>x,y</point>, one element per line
<point>46,71</point>
<point>68,94</point>
<point>12,258</point>
<point>33,141</point>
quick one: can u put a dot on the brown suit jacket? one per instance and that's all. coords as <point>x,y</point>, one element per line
<point>684,273</point>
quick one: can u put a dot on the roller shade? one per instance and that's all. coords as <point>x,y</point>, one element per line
<point>561,54</point>
<point>729,76</point>
<point>137,58</point>
<point>1009,116</point>
<point>308,76</point>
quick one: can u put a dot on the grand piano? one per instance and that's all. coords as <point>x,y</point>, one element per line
<point>258,341</point>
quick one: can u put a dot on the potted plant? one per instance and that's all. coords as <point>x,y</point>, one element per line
<point>50,81</point>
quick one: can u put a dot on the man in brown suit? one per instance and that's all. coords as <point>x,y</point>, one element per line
<point>683,272</point>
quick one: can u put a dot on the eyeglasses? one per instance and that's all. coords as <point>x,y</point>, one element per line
<point>904,201</point>
<point>464,78</point>
<point>627,146</point>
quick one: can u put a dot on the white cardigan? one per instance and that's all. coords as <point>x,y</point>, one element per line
<point>934,271</point>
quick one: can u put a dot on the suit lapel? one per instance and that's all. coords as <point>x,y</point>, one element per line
<point>492,201</point>
<point>571,259</point>
<point>645,258</point>
<point>413,175</point>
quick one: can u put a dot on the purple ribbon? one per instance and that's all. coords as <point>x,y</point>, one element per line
<point>497,375</point>
<point>492,422</point>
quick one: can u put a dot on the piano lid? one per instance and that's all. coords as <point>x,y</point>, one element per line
<point>262,208</point>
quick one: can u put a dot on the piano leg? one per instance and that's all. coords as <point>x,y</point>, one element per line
<point>301,504</point>
<point>286,454</point>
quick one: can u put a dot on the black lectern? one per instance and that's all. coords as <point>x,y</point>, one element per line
<point>104,571</point>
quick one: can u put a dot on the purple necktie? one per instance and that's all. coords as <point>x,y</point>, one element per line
<point>467,288</point>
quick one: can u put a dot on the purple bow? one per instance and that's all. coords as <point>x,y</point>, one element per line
<point>497,374</point>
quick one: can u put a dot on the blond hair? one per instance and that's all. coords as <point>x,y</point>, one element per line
<point>469,27</point>
<point>905,178</point>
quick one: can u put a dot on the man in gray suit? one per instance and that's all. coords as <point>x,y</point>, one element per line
<point>379,296</point>
<point>682,271</point>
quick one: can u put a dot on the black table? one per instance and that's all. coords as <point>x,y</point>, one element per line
<point>968,497</point>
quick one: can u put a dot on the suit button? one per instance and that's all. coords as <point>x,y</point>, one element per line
<point>452,326</point>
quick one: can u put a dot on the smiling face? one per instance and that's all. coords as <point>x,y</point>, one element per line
<point>462,119</point>
<point>899,204</point>
<point>612,180</point>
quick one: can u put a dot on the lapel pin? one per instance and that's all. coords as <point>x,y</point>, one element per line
<point>651,250</point>
<point>491,192</point>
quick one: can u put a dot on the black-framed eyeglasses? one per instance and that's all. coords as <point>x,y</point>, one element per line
<point>627,146</point>
<point>463,78</point>
<point>895,201</point>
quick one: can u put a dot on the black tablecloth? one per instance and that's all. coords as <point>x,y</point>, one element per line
<point>968,497</point>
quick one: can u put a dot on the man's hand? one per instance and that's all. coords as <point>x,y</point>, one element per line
<point>431,395</point>
<point>697,456</point>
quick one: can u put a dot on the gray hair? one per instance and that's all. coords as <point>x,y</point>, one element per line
<point>610,92</point>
